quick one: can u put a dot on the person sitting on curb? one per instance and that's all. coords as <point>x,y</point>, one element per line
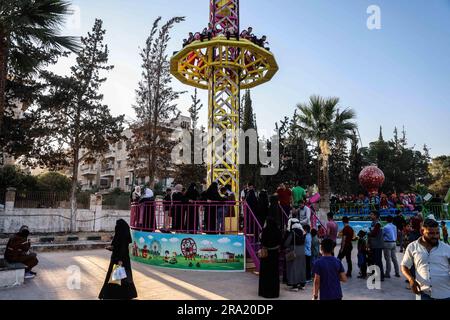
<point>18,250</point>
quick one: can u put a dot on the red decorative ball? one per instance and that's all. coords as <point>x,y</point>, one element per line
<point>371,178</point>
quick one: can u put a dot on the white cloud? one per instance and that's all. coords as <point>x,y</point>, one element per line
<point>224,240</point>
<point>173,240</point>
<point>206,243</point>
<point>237,244</point>
<point>164,240</point>
<point>141,240</point>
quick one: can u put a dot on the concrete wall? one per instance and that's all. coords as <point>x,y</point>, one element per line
<point>58,220</point>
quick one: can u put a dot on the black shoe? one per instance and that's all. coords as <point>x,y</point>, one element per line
<point>32,272</point>
<point>397,275</point>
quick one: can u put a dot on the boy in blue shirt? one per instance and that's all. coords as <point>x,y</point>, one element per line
<point>328,273</point>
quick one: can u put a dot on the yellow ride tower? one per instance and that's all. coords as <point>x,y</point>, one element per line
<point>223,63</point>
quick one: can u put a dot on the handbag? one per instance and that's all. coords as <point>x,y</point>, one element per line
<point>290,255</point>
<point>114,277</point>
<point>263,253</point>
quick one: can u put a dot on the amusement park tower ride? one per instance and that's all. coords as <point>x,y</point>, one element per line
<point>223,67</point>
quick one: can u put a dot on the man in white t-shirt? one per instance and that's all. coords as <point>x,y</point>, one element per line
<point>431,259</point>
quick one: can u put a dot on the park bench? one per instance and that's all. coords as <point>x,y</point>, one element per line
<point>11,274</point>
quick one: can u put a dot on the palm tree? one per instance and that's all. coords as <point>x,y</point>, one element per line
<point>321,122</point>
<point>29,38</point>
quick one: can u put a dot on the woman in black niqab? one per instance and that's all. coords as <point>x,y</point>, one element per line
<point>192,219</point>
<point>269,276</point>
<point>120,255</point>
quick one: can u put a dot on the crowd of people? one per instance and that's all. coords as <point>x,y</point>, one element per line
<point>299,243</point>
<point>180,211</point>
<point>210,32</point>
<point>365,203</point>
<point>306,250</point>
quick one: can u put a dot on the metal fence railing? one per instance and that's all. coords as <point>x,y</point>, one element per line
<point>192,217</point>
<point>439,210</point>
<point>116,202</point>
<point>54,200</point>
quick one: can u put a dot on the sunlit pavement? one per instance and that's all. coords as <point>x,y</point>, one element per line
<point>55,277</point>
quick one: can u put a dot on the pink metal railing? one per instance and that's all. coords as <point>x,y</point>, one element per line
<point>252,230</point>
<point>189,217</point>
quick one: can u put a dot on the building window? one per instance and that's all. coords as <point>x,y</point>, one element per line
<point>118,183</point>
<point>127,181</point>
<point>118,164</point>
<point>185,125</point>
<point>119,145</point>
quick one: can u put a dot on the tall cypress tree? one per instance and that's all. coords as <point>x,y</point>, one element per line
<point>155,106</point>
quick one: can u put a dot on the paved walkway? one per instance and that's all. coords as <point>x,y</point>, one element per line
<point>162,284</point>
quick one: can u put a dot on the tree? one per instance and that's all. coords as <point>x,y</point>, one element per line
<point>356,164</point>
<point>29,39</point>
<point>440,171</point>
<point>155,109</point>
<point>192,172</point>
<point>72,116</point>
<point>339,167</point>
<point>248,171</point>
<point>13,177</point>
<point>322,123</point>
<point>53,181</point>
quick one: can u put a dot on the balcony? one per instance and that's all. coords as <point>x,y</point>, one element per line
<point>111,154</point>
<point>108,172</point>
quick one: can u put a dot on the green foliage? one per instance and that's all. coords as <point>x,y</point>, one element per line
<point>155,106</point>
<point>53,181</point>
<point>29,40</point>
<point>440,171</point>
<point>12,176</point>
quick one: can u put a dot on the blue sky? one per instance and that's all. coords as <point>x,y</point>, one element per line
<point>396,76</point>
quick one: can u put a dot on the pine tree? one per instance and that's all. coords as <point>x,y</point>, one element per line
<point>155,108</point>
<point>248,172</point>
<point>72,116</point>
<point>192,172</point>
<point>380,137</point>
<point>194,109</point>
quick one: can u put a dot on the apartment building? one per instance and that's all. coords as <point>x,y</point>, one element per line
<point>112,169</point>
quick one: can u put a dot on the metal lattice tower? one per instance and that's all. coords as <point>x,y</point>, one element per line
<point>223,67</point>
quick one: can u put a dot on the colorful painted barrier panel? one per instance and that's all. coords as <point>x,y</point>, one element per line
<point>189,251</point>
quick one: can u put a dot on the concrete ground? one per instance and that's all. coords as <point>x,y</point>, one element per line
<point>164,284</point>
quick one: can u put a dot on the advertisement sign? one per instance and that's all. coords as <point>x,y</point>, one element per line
<point>189,251</point>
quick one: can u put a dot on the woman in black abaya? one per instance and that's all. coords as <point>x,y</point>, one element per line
<point>121,256</point>
<point>269,273</point>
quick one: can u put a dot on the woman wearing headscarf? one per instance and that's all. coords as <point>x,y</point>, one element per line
<point>147,210</point>
<point>213,196</point>
<point>136,194</point>
<point>295,242</point>
<point>191,196</point>
<point>262,210</point>
<point>274,211</point>
<point>120,256</point>
<point>18,250</point>
<point>177,208</point>
<point>269,278</point>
